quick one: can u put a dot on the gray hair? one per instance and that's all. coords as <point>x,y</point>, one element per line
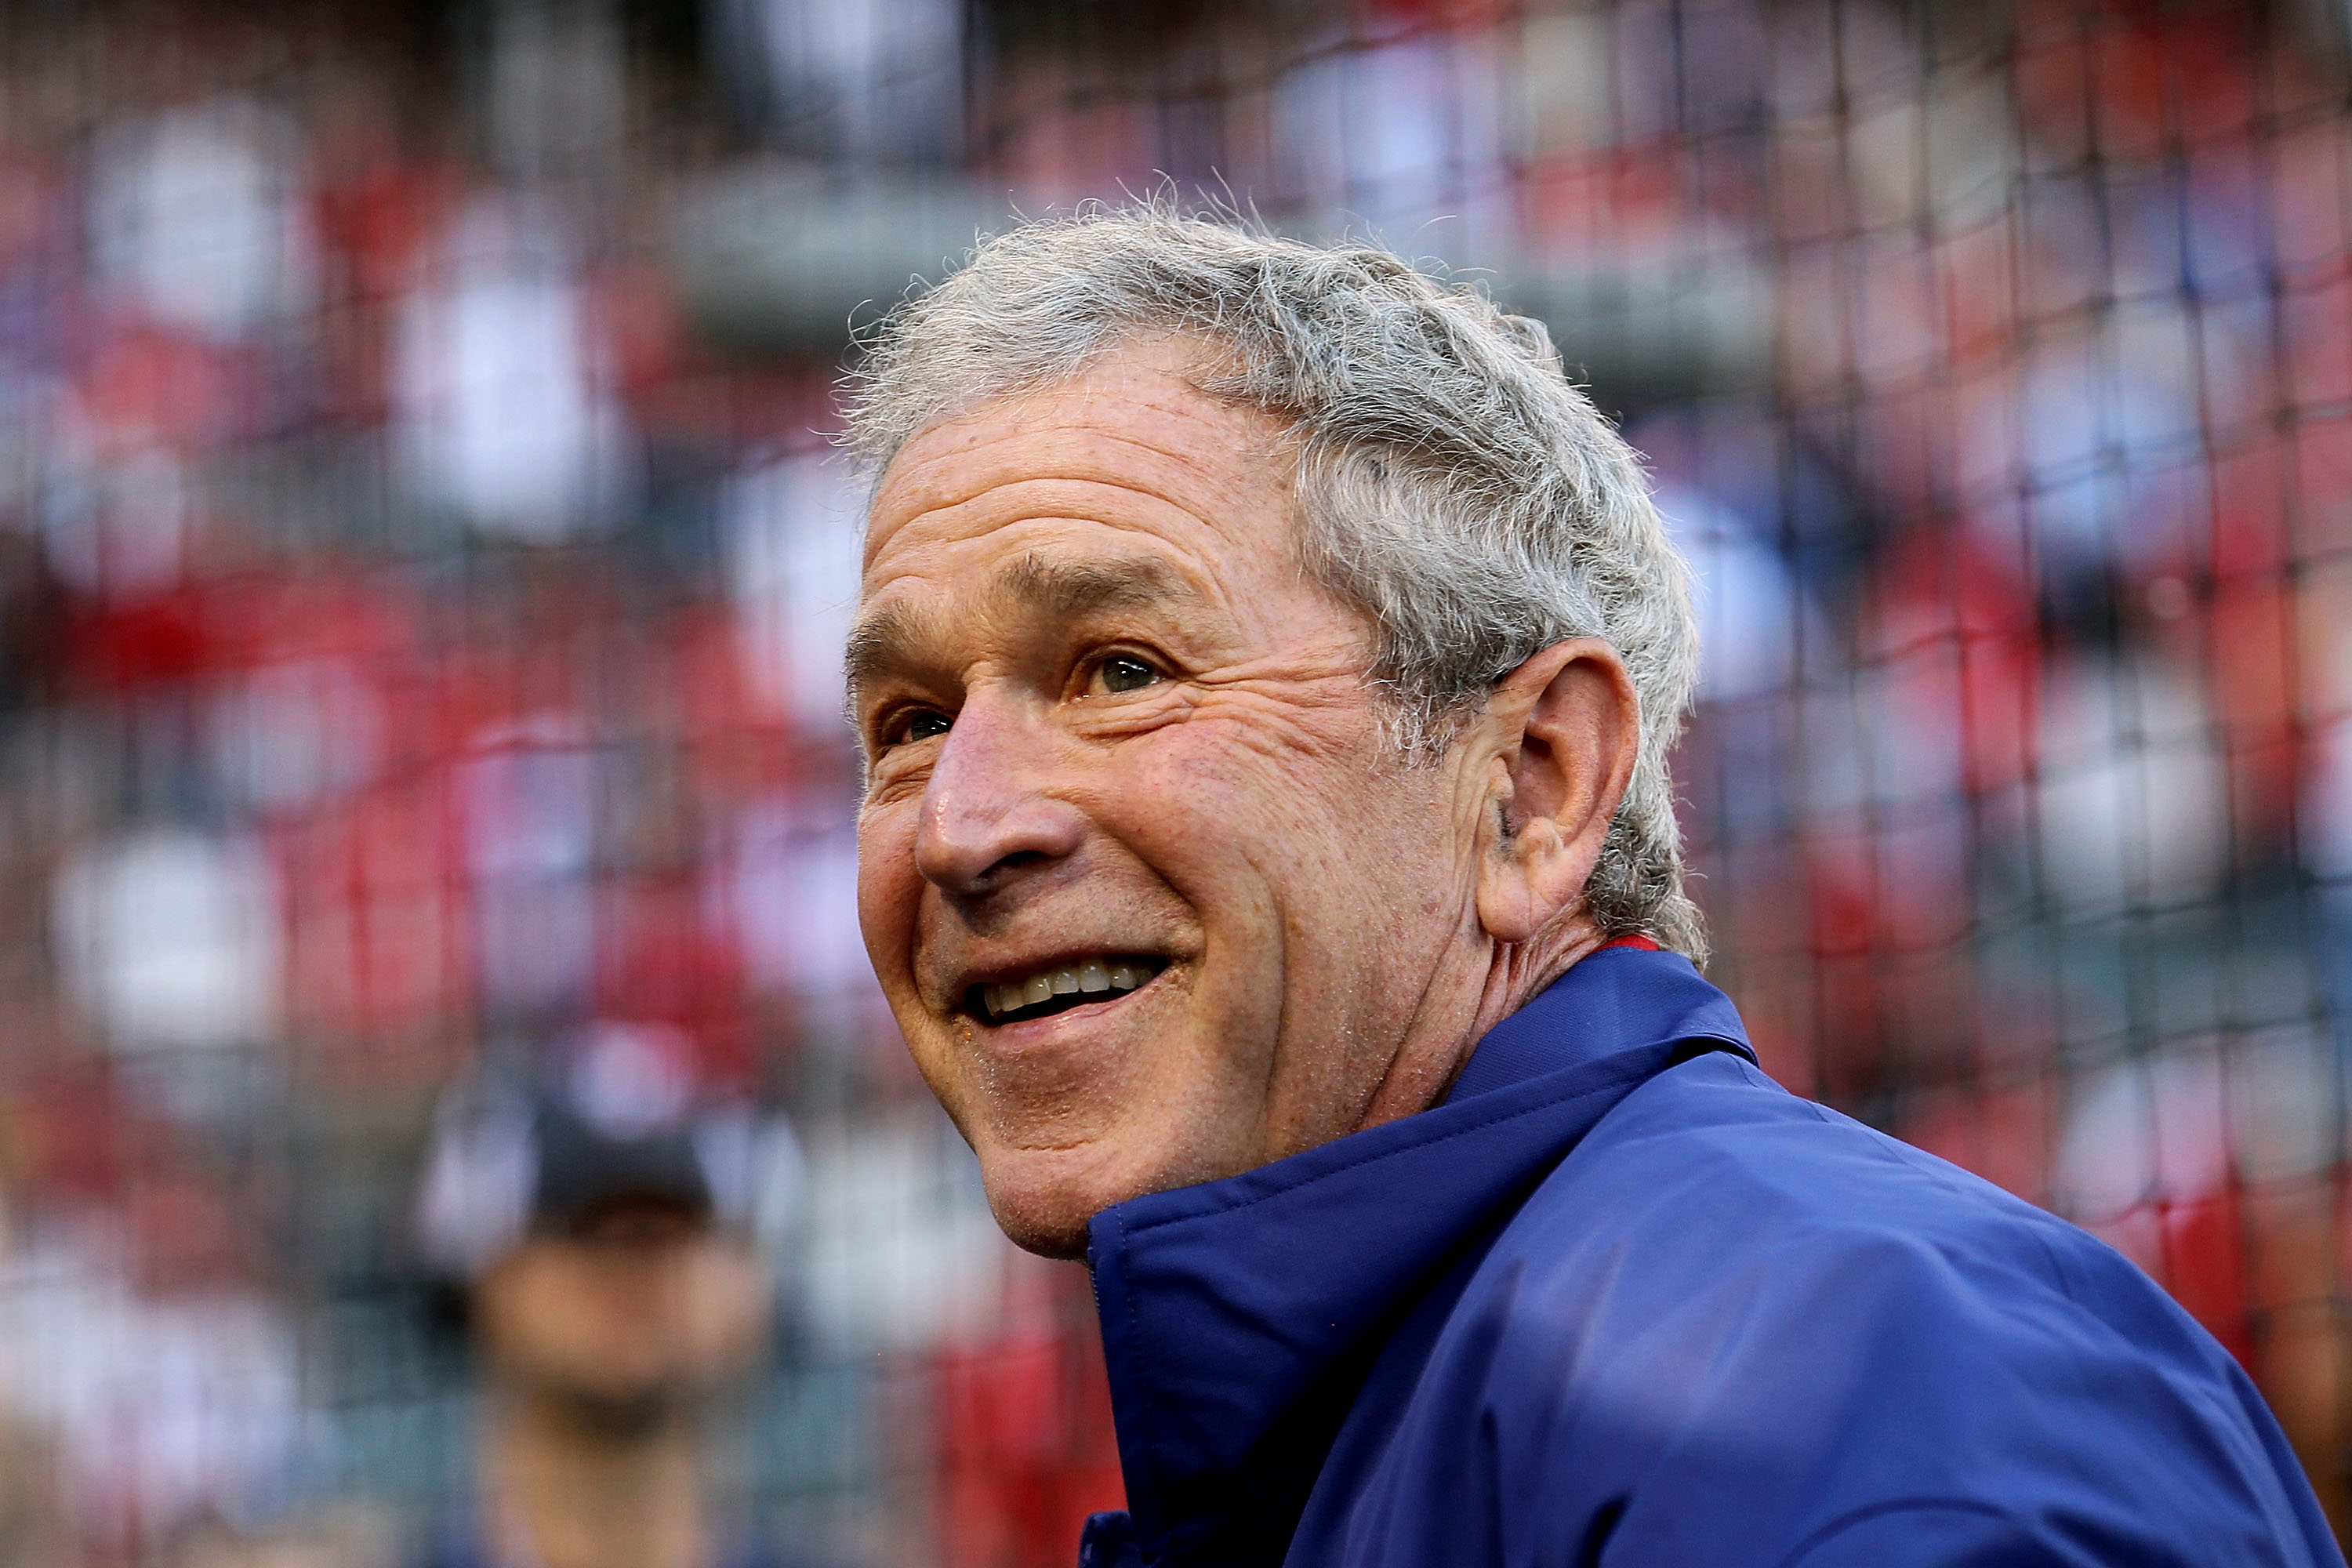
<point>1451,480</point>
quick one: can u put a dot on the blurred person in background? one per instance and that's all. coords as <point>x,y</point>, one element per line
<point>1266,665</point>
<point>613,1223</point>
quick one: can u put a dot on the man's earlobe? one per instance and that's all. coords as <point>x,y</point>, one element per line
<point>1527,882</point>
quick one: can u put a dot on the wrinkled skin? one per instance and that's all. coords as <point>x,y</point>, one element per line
<point>1107,714</point>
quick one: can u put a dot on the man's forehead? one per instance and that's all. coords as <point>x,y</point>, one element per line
<point>1138,428</point>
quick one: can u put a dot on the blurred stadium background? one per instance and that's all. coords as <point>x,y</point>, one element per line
<point>421,566</point>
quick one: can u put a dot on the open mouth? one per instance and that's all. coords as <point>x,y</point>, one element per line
<point>1061,988</point>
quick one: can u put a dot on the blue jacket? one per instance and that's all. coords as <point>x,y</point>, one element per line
<point>1623,1301</point>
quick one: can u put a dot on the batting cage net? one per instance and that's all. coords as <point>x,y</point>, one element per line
<point>422,568</point>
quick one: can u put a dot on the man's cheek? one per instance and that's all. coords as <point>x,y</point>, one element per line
<point>888,896</point>
<point>1192,797</point>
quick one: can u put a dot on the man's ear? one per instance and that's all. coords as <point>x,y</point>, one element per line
<point>1564,729</point>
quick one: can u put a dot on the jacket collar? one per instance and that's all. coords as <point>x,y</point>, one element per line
<point>1240,1316</point>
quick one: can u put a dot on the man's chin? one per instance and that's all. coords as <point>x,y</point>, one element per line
<point>1047,1233</point>
<point>1045,1198</point>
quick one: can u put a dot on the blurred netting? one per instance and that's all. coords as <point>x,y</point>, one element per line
<point>421,575</point>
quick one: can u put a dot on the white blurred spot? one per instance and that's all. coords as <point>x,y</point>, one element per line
<point>2142,1133</point>
<point>2131,805</point>
<point>502,415</point>
<point>795,531</point>
<point>193,215</point>
<point>629,1080</point>
<point>171,938</point>
<point>2172,1129</point>
<point>166,1408</point>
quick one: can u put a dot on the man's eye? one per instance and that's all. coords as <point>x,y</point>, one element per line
<point>1125,672</point>
<point>927,725</point>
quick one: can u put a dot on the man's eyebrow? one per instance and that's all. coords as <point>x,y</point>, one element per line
<point>1070,589</point>
<point>1059,590</point>
<point>879,641</point>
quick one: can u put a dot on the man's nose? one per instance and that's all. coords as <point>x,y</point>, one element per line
<point>986,814</point>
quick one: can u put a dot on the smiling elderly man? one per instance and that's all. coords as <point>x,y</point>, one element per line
<point>1265,669</point>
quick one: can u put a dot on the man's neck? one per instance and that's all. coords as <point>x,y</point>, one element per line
<point>1515,974</point>
<point>568,1490</point>
<point>1519,972</point>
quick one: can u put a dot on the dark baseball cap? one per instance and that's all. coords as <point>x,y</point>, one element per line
<point>609,1114</point>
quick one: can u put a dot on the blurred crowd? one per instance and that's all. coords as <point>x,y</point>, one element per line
<point>444,1114</point>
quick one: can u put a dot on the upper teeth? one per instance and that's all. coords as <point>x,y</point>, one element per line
<point>1094,974</point>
